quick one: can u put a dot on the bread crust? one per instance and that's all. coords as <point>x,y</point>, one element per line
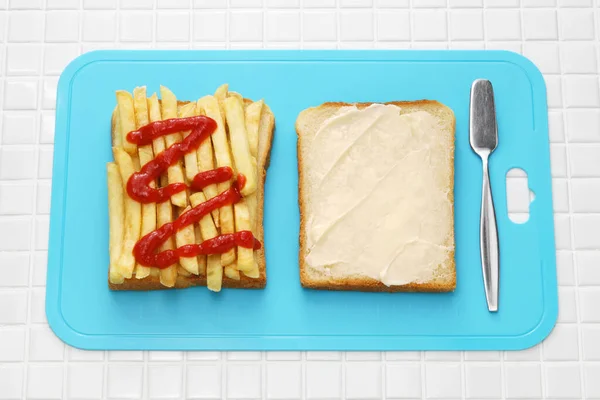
<point>153,282</point>
<point>367,284</point>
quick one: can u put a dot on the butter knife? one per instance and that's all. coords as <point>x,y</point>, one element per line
<point>484,139</point>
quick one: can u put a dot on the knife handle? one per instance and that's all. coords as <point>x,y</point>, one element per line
<point>488,241</point>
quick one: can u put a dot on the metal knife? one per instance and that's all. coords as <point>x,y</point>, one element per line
<point>484,139</point>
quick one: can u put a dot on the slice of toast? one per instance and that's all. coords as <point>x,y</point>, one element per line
<point>308,124</point>
<point>152,282</point>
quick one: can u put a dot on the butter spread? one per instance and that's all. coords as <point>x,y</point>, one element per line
<point>380,204</point>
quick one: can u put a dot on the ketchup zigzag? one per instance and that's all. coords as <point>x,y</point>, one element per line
<point>138,188</point>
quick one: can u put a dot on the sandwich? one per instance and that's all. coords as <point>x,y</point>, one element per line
<point>185,191</point>
<point>376,196</point>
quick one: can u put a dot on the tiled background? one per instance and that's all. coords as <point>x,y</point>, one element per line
<point>39,37</point>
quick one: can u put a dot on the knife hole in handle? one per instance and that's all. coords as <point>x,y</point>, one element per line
<point>518,195</point>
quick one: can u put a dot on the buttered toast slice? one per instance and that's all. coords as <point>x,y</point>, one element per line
<point>376,196</point>
<point>244,132</point>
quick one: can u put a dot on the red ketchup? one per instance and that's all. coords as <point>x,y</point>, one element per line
<point>138,188</point>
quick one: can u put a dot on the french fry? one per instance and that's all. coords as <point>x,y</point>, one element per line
<point>133,214</point>
<point>210,105</point>
<point>214,268</point>
<point>187,236</point>
<point>168,276</point>
<point>117,139</point>
<point>201,257</point>
<point>190,159</point>
<point>240,147</point>
<point>158,144</point>
<point>232,272</point>
<point>205,157</point>
<point>253,273</point>
<point>126,119</point>
<point>175,171</point>
<point>245,256</point>
<point>145,154</point>
<point>236,95</point>
<point>253,113</point>
<point>116,218</point>
<point>220,95</point>
<point>140,105</point>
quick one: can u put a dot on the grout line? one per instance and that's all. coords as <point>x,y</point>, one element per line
<point>383,372</point>
<point>338,29</point>
<point>154,25</point>
<point>191,24</point>
<point>28,324</point>
<point>303,366</point>
<point>222,365</point>
<point>423,375</point>
<point>463,375</point>
<point>263,374</point>
<point>571,233</point>
<point>301,45</point>
<point>448,30</point>
<point>343,380</point>
<point>265,20</point>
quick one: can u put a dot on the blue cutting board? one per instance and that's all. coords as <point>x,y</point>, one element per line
<point>84,313</point>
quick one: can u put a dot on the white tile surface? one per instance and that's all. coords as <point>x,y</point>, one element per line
<point>45,381</point>
<point>99,26</point>
<point>581,91</point>
<point>38,38</point>
<point>563,344</point>
<point>578,57</point>
<point>245,26</point>
<point>443,380</point>
<point>125,381</point>
<point>23,59</point>
<point>323,380</point>
<point>539,24</point>
<point>392,25</point>
<point>576,24</point>
<point>14,268</point>
<point>567,306</point>
<point>523,380</point>
<point>173,27</point>
<point>284,380</point>
<point>135,27</point>
<point>356,26</point>
<point>592,383</point>
<point>203,381</point>
<point>484,381</point>
<point>11,380</point>
<point>403,380</point>
<point>210,26</point>
<point>590,336</point>
<point>545,55</point>
<point>20,94</point>
<point>563,381</point>
<point>430,25</point>
<point>12,344</point>
<point>62,26</point>
<point>165,381</point>
<point>283,26</point>
<point>363,380</point>
<point>587,267</point>
<point>25,26</point>
<point>44,345</point>
<point>244,381</point>
<point>16,198</point>
<point>85,381</point>
<point>466,25</point>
